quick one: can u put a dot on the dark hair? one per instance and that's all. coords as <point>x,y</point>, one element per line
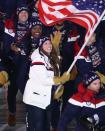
<point>54,60</point>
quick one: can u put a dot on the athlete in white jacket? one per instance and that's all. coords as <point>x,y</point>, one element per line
<point>37,94</point>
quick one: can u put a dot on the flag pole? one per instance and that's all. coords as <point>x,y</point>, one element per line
<point>87,40</point>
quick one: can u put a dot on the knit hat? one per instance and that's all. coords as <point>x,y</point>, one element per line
<point>42,40</point>
<point>89,78</point>
<point>35,13</point>
<point>35,22</point>
<point>21,8</point>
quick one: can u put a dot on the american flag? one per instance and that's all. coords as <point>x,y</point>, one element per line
<point>83,12</point>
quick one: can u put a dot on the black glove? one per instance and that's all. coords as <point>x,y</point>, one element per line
<point>87,124</point>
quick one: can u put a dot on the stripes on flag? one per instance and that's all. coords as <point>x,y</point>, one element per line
<point>54,11</point>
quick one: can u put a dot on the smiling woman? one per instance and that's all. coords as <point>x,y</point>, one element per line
<point>36,28</point>
<point>22,12</point>
<point>38,90</point>
<point>45,45</point>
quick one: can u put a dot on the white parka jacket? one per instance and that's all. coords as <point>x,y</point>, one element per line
<point>39,85</point>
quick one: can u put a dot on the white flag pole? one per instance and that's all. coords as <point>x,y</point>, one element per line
<point>87,40</point>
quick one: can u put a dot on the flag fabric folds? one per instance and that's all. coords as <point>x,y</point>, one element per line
<point>83,12</point>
